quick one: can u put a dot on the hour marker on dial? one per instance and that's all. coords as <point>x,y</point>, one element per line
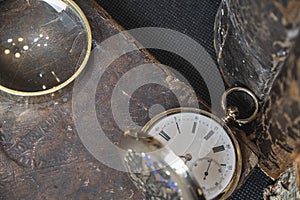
<point>194,127</point>
<point>210,133</point>
<point>218,149</point>
<point>165,135</point>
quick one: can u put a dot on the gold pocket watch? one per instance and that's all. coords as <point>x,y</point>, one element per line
<point>205,143</point>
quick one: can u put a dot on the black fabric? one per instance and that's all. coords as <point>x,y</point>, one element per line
<point>194,18</point>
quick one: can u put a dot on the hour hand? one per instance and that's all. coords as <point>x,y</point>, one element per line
<point>187,157</point>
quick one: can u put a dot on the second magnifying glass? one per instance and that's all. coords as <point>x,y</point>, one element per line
<point>44,45</point>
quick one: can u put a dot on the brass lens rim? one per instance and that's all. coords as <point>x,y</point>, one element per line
<point>77,72</point>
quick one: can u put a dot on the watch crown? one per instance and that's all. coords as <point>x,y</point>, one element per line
<point>231,115</point>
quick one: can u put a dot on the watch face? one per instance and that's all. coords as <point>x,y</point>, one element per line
<point>207,147</point>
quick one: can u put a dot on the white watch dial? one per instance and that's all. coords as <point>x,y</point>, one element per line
<point>204,144</point>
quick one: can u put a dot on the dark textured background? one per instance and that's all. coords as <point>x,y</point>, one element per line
<point>194,18</point>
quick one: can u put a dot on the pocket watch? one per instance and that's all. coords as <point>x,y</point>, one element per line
<point>205,143</point>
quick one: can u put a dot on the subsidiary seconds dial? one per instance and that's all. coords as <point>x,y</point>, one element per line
<point>206,144</point>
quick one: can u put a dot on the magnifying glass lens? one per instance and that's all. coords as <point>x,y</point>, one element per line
<point>44,44</point>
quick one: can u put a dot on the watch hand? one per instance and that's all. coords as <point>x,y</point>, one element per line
<point>187,157</point>
<point>177,125</point>
<point>206,173</point>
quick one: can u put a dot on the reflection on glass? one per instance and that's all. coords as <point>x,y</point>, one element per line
<point>44,44</point>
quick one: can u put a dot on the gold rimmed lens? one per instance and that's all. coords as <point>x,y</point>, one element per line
<point>44,45</point>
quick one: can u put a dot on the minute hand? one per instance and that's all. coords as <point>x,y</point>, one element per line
<point>206,173</point>
<point>177,126</point>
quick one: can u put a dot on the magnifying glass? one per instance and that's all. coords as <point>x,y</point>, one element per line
<point>44,45</point>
